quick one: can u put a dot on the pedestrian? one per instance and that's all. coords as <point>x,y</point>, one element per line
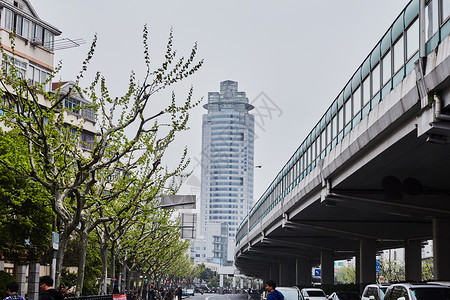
<point>48,291</point>
<point>62,290</point>
<point>144,293</point>
<point>12,288</point>
<point>273,294</point>
<point>178,293</point>
<point>116,290</point>
<point>168,295</point>
<point>152,294</point>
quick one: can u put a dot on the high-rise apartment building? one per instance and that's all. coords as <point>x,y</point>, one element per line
<point>227,159</point>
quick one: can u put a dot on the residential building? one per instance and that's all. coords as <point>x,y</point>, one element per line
<point>78,112</point>
<point>33,41</point>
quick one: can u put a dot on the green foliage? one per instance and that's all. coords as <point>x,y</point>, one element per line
<point>346,275</point>
<point>123,174</point>
<point>427,269</point>
<point>93,267</point>
<point>68,279</point>
<point>4,278</point>
<point>204,273</point>
<point>214,282</point>
<point>392,271</point>
<point>25,220</point>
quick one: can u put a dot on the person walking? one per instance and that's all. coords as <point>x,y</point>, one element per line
<point>273,294</point>
<point>178,293</point>
<point>48,291</point>
<point>12,288</point>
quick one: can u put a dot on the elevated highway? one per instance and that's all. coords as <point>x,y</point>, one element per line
<point>373,174</point>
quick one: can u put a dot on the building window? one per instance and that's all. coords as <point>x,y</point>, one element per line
<point>27,29</point>
<point>72,105</point>
<point>87,140</point>
<point>37,75</point>
<point>20,66</point>
<point>89,114</point>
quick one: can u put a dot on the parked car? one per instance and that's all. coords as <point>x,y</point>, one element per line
<point>410,291</point>
<point>190,292</point>
<point>374,292</point>
<point>313,294</point>
<point>290,293</point>
<point>344,295</point>
<point>184,292</point>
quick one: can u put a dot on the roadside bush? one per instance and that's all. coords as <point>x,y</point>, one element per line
<point>4,278</point>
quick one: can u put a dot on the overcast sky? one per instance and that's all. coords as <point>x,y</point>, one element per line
<point>292,57</point>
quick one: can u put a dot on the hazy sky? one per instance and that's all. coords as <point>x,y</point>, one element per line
<point>292,58</point>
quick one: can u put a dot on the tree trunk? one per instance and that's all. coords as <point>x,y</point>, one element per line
<point>123,280</point>
<point>113,268</point>
<point>84,236</point>
<point>63,241</point>
<point>104,255</point>
<point>130,277</point>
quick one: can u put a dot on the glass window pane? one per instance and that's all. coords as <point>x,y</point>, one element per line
<point>334,127</point>
<point>386,65</point>
<point>328,133</point>
<point>431,19</point>
<point>8,19</point>
<point>341,119</point>
<point>38,34</point>
<point>322,141</point>
<point>412,39</point>
<point>376,79</point>
<point>399,57</point>
<point>348,110</point>
<point>26,29</point>
<point>313,150</point>
<point>356,101</point>
<point>19,25</point>
<point>366,89</point>
<point>445,9</point>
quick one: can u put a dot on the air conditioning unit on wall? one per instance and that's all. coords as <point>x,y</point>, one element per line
<point>35,41</point>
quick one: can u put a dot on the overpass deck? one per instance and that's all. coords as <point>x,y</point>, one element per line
<point>375,165</point>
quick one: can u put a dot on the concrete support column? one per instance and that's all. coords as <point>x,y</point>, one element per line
<point>2,265</point>
<point>368,263</point>
<point>33,281</point>
<point>221,283</point>
<point>242,285</point>
<point>275,274</point>
<point>234,284</point>
<point>303,276</point>
<point>292,269</point>
<point>413,261</point>
<point>441,249</point>
<point>265,276</point>
<point>21,278</point>
<point>283,279</point>
<point>327,267</point>
<point>358,267</point>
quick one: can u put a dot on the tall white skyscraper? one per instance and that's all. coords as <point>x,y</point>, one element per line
<point>227,159</point>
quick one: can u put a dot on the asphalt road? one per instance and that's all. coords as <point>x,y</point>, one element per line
<point>217,297</point>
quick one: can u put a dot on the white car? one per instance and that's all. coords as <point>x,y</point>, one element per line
<point>190,292</point>
<point>411,291</point>
<point>290,293</point>
<point>374,292</point>
<point>344,295</point>
<point>313,294</point>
